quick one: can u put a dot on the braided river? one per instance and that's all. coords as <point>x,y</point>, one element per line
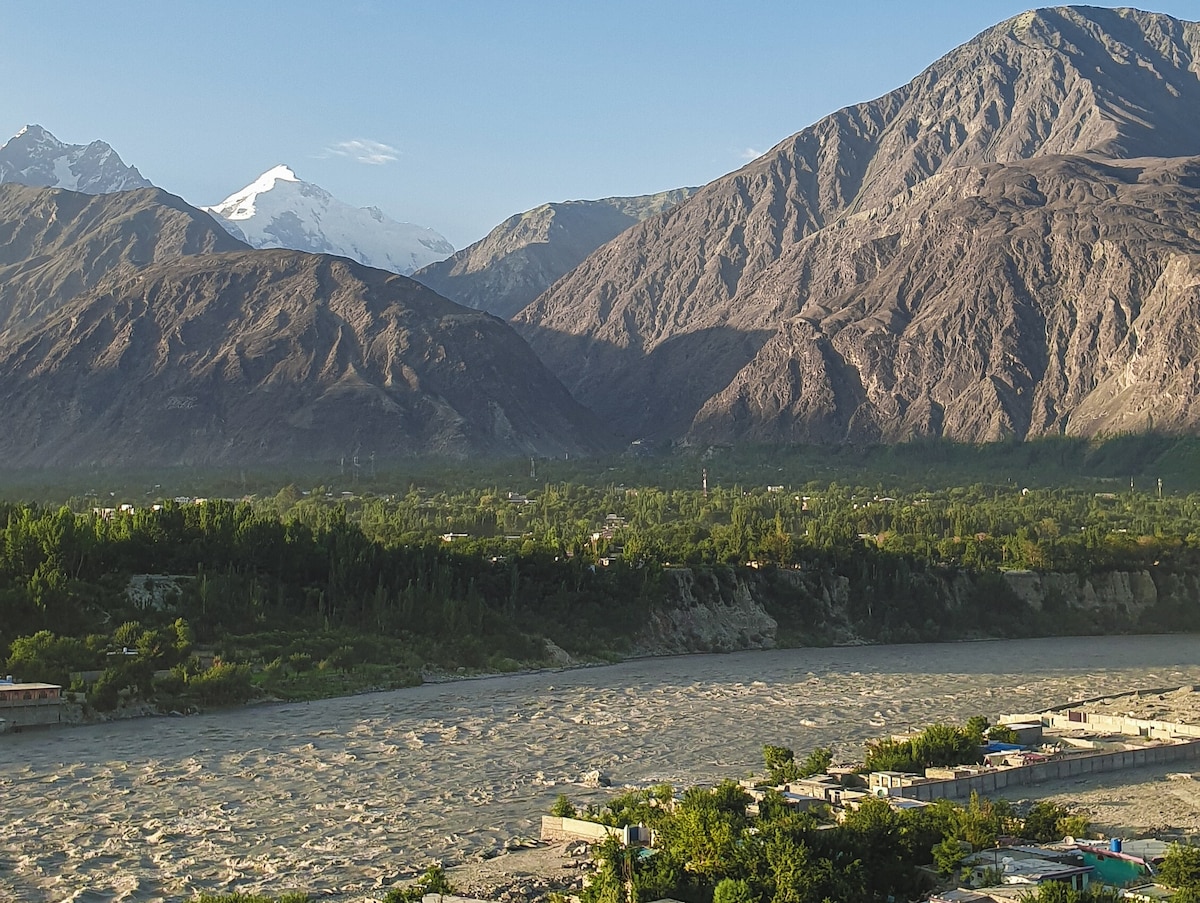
<point>342,796</point>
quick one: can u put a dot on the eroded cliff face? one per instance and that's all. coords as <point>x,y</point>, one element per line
<point>707,611</point>
<point>1129,593</point>
<point>726,610</point>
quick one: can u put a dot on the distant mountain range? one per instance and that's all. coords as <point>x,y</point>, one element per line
<point>279,210</point>
<point>1005,247</point>
<point>140,333</point>
<point>35,157</point>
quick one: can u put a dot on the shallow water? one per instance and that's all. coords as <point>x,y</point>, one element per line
<point>341,795</point>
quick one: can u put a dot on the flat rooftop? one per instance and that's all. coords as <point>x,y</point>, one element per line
<point>4,685</point>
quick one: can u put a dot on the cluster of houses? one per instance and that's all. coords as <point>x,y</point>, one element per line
<point>1051,745</point>
<point>1008,873</point>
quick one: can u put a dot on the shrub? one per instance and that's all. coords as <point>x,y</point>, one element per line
<point>562,808</point>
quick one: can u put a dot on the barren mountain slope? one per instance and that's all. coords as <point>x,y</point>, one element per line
<point>650,326</point>
<point>527,253</point>
<point>55,244</point>
<point>1049,296</point>
<point>269,356</point>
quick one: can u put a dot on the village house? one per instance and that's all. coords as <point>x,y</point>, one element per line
<point>24,704</point>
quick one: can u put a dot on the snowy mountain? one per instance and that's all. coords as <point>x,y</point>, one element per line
<point>279,210</point>
<point>35,157</point>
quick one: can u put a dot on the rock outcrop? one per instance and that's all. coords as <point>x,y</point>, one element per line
<point>708,611</point>
<point>724,610</point>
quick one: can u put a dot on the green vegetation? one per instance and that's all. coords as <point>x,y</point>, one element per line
<point>1058,892</point>
<point>562,807</point>
<point>320,591</point>
<point>708,849</point>
<point>938,744</point>
<point>434,881</point>
<point>1180,870</point>
<point>782,766</point>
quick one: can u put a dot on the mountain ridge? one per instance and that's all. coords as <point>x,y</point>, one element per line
<point>528,252</point>
<point>34,157</point>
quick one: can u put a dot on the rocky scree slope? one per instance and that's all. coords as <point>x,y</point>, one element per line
<point>529,252</point>
<point>272,356</point>
<point>719,319</point>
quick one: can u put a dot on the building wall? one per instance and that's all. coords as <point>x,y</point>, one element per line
<point>23,715</point>
<point>1073,719</point>
<point>556,829</point>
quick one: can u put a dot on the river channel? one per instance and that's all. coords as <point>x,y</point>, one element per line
<point>341,795</point>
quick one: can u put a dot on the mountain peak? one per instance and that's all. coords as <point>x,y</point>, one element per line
<point>280,210</point>
<point>241,205</point>
<point>35,134</point>
<point>282,171</point>
<point>35,157</point>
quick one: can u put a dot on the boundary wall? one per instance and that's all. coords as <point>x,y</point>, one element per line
<point>556,829</point>
<point>1074,719</point>
<point>1055,769</point>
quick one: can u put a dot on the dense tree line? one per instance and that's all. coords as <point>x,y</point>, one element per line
<point>476,578</point>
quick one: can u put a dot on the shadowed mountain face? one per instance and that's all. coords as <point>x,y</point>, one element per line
<point>56,244</point>
<point>527,253</point>
<point>271,356</point>
<point>937,261</point>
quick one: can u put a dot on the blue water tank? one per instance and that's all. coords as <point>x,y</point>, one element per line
<point>1115,844</point>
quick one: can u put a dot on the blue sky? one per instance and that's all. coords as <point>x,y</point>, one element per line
<point>456,114</point>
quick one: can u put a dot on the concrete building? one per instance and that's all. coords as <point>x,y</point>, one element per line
<point>891,783</point>
<point>23,704</point>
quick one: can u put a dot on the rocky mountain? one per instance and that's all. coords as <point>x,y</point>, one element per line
<point>529,252</point>
<point>35,157</point>
<point>1003,247</point>
<point>55,245</point>
<point>269,357</point>
<point>279,210</point>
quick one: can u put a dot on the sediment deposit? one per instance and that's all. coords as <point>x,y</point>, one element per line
<point>345,795</point>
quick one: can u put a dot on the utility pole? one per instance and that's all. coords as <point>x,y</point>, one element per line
<point>1160,489</point>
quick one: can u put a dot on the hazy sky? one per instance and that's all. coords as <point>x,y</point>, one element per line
<point>455,114</point>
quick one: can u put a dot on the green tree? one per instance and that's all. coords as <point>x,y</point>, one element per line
<point>434,881</point>
<point>562,808</point>
<point>817,762</point>
<point>781,764</point>
<point>1181,867</point>
<point>948,856</point>
<point>733,890</point>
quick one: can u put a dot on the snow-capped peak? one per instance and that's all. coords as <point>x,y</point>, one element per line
<point>240,204</point>
<point>35,157</point>
<point>280,210</point>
